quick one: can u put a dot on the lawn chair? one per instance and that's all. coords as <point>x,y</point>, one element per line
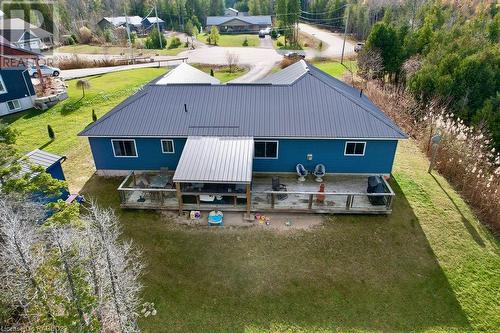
<point>319,172</point>
<point>277,186</point>
<point>301,172</point>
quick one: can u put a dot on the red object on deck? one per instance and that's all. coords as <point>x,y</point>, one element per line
<point>320,198</point>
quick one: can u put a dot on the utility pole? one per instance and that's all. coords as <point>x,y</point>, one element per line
<point>158,26</point>
<point>345,34</point>
<point>128,35</point>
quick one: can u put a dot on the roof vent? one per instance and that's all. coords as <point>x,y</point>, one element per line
<point>360,93</point>
<point>185,108</point>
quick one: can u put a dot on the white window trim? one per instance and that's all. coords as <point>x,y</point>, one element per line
<point>167,152</point>
<point>3,85</point>
<point>268,158</point>
<point>345,148</point>
<point>14,109</point>
<point>135,147</point>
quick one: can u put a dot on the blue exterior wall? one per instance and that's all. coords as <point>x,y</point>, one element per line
<point>16,84</point>
<point>378,158</point>
<point>56,171</point>
<point>149,155</point>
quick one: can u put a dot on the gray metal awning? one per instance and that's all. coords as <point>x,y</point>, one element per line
<point>216,160</point>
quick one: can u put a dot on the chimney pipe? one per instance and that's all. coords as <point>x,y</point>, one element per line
<point>361,93</point>
<point>185,108</point>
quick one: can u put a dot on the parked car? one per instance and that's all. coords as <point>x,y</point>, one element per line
<point>358,47</point>
<point>264,32</point>
<point>294,55</point>
<point>46,71</point>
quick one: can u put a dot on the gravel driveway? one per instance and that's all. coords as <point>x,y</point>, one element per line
<point>334,41</point>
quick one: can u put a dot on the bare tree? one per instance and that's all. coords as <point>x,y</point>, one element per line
<point>21,258</point>
<point>118,270</point>
<point>370,64</point>
<point>232,61</point>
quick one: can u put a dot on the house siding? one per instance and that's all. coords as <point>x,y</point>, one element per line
<point>18,84</point>
<point>149,154</point>
<point>378,158</point>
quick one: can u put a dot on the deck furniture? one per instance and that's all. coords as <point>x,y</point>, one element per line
<point>301,172</point>
<point>277,186</point>
<point>319,172</point>
<point>376,185</point>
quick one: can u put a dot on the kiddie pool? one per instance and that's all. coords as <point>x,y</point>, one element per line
<point>215,218</point>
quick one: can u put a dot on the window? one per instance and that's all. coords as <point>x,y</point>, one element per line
<point>124,148</point>
<point>266,149</point>
<point>167,146</point>
<point>14,104</point>
<point>3,89</point>
<point>355,148</point>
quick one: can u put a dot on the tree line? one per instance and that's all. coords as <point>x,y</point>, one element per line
<point>448,55</point>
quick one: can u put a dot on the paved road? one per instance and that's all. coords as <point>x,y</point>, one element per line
<point>334,42</point>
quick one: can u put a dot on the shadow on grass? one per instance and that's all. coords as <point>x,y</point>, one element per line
<point>470,228</point>
<point>355,273</point>
<point>71,106</point>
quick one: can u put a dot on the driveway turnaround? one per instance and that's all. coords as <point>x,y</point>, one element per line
<point>334,42</point>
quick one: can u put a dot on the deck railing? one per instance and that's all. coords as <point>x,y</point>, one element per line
<point>132,196</point>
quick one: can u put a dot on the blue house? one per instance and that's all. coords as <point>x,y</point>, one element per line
<point>16,90</point>
<point>228,144</point>
<point>150,22</point>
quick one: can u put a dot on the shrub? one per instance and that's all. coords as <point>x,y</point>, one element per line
<point>279,44</point>
<point>75,38</point>
<point>245,42</point>
<point>214,35</point>
<point>274,34</point>
<point>108,35</point>
<point>94,116</point>
<point>174,43</point>
<point>50,132</point>
<point>212,72</point>
<point>153,40</point>
<point>85,35</point>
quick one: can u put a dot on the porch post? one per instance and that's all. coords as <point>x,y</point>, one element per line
<point>249,199</point>
<point>179,196</point>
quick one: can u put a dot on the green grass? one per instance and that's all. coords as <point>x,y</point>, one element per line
<point>428,267</point>
<point>68,118</point>
<point>232,40</point>
<point>115,50</point>
<point>335,68</point>
<point>222,72</point>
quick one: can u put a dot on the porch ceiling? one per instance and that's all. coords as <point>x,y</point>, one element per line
<point>216,160</point>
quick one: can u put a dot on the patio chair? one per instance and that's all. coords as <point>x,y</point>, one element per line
<point>277,186</point>
<point>319,172</point>
<point>301,172</point>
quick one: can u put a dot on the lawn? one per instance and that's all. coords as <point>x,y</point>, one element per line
<point>222,72</point>
<point>115,50</point>
<point>232,40</point>
<point>428,267</point>
<point>335,68</point>
<point>71,116</point>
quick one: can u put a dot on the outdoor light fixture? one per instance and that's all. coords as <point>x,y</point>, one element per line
<point>309,157</point>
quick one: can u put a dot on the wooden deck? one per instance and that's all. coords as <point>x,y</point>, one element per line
<point>344,194</point>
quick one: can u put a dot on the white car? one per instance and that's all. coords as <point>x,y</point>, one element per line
<point>46,71</point>
<point>358,47</point>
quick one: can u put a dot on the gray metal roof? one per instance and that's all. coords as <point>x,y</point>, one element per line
<point>216,160</point>
<point>186,74</point>
<point>41,158</point>
<point>258,20</point>
<point>316,105</point>
<point>119,20</point>
<point>154,19</point>
<point>288,75</point>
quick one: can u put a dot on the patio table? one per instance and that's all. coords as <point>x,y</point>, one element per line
<point>159,181</point>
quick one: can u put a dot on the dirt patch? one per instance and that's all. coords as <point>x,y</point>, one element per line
<point>280,222</point>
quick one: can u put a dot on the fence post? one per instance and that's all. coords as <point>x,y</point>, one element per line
<point>310,201</point>
<point>348,202</point>
<point>272,200</point>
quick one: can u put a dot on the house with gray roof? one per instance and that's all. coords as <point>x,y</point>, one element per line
<point>239,24</point>
<point>25,35</point>
<point>223,140</point>
<point>134,22</point>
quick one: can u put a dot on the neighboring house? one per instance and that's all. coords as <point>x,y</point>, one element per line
<point>51,163</point>
<point>230,12</point>
<point>150,22</point>
<point>16,90</point>
<point>134,23</point>
<point>239,24</point>
<point>220,139</point>
<point>25,35</point>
